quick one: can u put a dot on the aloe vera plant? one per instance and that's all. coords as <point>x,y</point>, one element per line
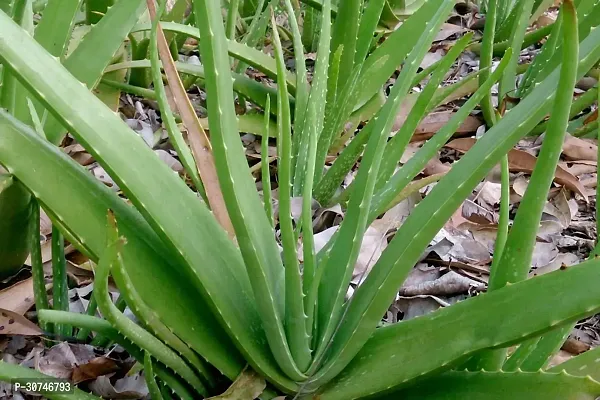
<point>209,302</point>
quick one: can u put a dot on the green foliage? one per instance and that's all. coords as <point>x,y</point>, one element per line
<point>208,305</point>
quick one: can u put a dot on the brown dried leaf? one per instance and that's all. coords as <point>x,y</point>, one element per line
<point>522,161</point>
<point>579,149</point>
<point>94,368</point>
<point>248,386</point>
<point>12,323</point>
<point>18,297</point>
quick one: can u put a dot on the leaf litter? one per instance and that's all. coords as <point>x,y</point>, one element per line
<point>454,267</point>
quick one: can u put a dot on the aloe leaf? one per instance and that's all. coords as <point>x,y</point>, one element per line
<point>382,63</point>
<point>517,33</point>
<point>15,209</point>
<point>295,317</point>
<point>125,326</point>
<point>96,50</point>
<point>104,328</point>
<point>153,388</point>
<point>516,385</point>
<point>240,51</point>
<point>379,289</point>
<point>10,372</point>
<point>37,266</point>
<point>301,81</point>
<point>153,322</point>
<point>232,14</point>
<point>54,30</point>
<point>516,359</point>
<point>243,85</point>
<point>589,17</point>
<point>265,168</point>
<point>60,288</point>
<point>345,37</point>
<point>253,231</point>
<point>520,242</point>
<point>547,346</point>
<point>368,25</point>
<point>338,267</point>
<point>90,323</point>
<point>396,146</point>
<point>439,340</point>
<point>305,171</point>
<point>156,276</point>
<point>585,364</point>
<point>401,178</point>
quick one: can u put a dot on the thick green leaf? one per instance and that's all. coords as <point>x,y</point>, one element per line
<point>96,50</point>
<point>253,231</point>
<point>518,251</point>
<point>382,63</point>
<point>68,192</point>
<point>460,385</point>
<point>255,58</point>
<point>128,328</point>
<point>295,316</point>
<point>586,364</point>
<point>339,262</point>
<point>245,86</point>
<point>15,211</point>
<point>379,289</point>
<point>54,30</point>
<point>8,372</point>
<point>401,353</point>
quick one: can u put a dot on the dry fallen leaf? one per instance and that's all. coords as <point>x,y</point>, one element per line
<point>129,387</point>
<point>12,323</point>
<point>18,297</point>
<point>579,149</point>
<point>248,386</point>
<point>94,368</point>
<point>522,161</point>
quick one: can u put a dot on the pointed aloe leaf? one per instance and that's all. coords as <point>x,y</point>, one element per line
<point>128,328</point>
<point>379,289</point>
<point>155,286</point>
<point>153,388</point>
<point>523,10</point>
<point>588,15</point>
<point>368,26</point>
<point>518,251</point>
<point>514,362</point>
<point>585,364</point>
<point>546,347</point>
<point>397,355</point>
<point>516,385</point>
<point>241,84</point>
<point>339,264</point>
<point>382,63</point>
<point>396,146</point>
<point>104,328</point>
<point>295,316</point>
<point>152,321</point>
<point>54,30</point>
<point>255,58</point>
<point>15,209</point>
<point>301,80</point>
<point>96,50</point>
<point>11,372</point>
<point>345,36</point>
<point>253,231</point>
<point>305,171</point>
